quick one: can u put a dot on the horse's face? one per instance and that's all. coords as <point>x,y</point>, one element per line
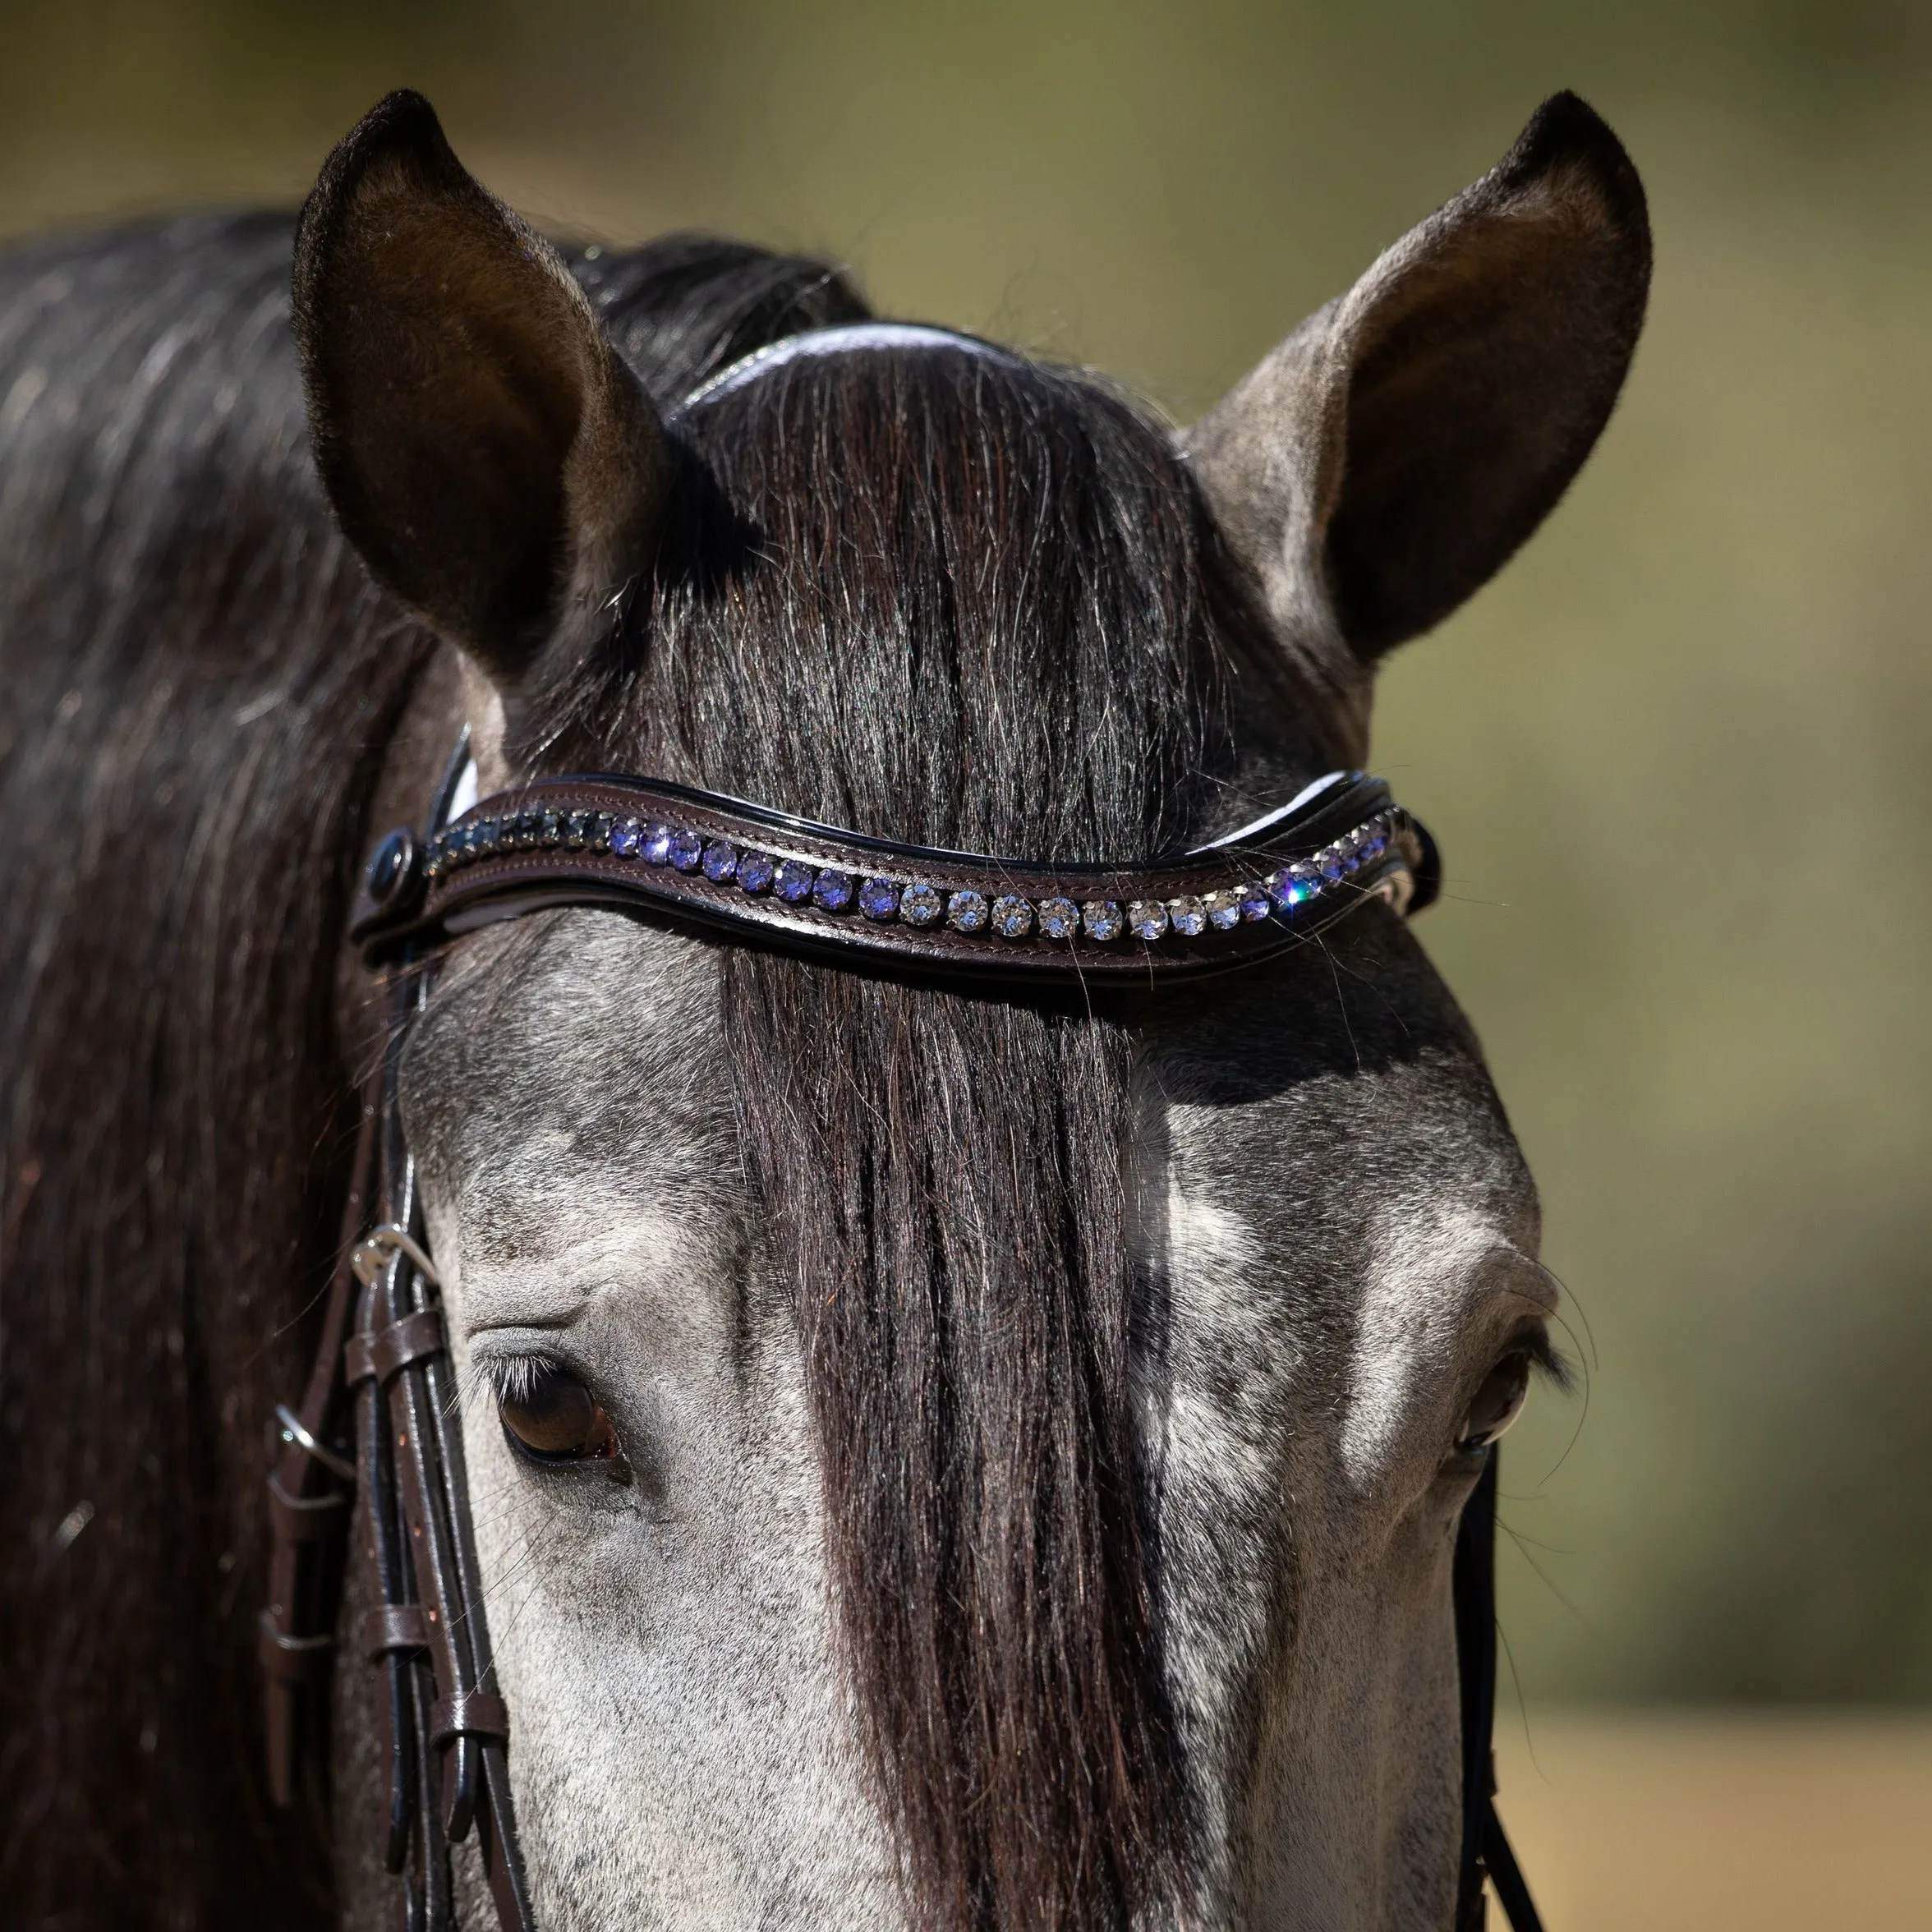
<point>938,1462</point>
<point>1344,1238</point>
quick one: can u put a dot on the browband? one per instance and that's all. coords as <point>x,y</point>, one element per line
<point>747,872</point>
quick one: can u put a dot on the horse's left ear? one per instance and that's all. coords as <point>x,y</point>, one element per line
<point>497,466</point>
<point>1390,455</point>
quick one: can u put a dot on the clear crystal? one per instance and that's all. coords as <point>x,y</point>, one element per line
<point>1103,919</point>
<point>1059,918</point>
<point>966,912</point>
<point>921,905</point>
<point>1223,910</point>
<point>1013,917</point>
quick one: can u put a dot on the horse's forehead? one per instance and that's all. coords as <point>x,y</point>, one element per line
<point>583,1050</point>
<point>1323,1157</point>
<point>583,1062</point>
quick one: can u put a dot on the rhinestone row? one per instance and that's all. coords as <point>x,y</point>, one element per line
<point>916,903</point>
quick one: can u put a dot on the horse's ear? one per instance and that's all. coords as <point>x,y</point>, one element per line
<point>494,462</point>
<point>1390,455</point>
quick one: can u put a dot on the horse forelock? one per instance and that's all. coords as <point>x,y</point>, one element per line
<point>959,600</point>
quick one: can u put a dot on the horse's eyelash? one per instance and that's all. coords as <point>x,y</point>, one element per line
<point>1547,1360</point>
<point>513,1378</point>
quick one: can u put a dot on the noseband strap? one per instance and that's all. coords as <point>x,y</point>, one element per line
<point>754,877</point>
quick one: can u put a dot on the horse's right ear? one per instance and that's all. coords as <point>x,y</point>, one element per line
<point>496,465</point>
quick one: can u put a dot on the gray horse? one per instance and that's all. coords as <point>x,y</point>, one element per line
<point>938,1458</point>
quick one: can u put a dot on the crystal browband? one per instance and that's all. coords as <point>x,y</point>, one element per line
<point>698,856</point>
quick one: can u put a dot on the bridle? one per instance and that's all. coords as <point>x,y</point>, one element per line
<point>752,876</point>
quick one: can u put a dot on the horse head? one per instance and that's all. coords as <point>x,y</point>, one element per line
<point>942,1454</point>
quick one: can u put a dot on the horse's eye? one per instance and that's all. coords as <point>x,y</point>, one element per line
<point>548,1412</point>
<point>1498,1402</point>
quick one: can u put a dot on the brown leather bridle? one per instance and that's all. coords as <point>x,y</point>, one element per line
<point>753,876</point>
<point>382,1346</point>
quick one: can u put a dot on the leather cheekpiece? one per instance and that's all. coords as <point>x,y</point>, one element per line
<point>381,1354</point>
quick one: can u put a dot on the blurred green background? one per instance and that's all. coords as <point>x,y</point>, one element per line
<point>1676,754</point>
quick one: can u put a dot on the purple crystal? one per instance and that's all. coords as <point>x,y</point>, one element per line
<point>627,835</point>
<point>687,852</point>
<point>656,848</point>
<point>755,872</point>
<point>720,860</point>
<point>878,899</point>
<point>792,882</point>
<point>1255,903</point>
<point>834,889</point>
<point>1332,867</point>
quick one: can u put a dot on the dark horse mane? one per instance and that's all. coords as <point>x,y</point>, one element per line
<point>994,637</point>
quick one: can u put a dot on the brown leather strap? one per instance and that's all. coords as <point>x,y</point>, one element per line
<point>308,1507</point>
<point>445,1727</point>
<point>395,1626</point>
<point>381,1354</point>
<point>469,1713</point>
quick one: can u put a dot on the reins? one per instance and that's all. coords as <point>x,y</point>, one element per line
<point>751,875</point>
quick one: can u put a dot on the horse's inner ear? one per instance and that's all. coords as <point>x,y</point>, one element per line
<point>496,465</point>
<point>1391,455</point>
